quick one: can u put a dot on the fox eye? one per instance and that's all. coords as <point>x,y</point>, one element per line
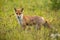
<point>19,13</point>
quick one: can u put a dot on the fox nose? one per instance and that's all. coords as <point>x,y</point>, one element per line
<point>18,17</point>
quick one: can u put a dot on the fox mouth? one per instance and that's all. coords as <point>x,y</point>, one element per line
<point>19,17</point>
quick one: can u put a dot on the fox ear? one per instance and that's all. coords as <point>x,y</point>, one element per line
<point>15,9</point>
<point>22,9</point>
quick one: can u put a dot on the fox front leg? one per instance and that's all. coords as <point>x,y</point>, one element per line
<point>23,27</point>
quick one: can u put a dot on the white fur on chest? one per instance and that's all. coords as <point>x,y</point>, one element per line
<point>20,18</point>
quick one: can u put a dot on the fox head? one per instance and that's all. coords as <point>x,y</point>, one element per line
<point>18,11</point>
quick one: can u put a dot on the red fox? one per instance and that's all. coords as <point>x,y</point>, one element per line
<point>30,20</point>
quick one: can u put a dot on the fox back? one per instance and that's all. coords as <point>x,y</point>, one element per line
<point>30,20</point>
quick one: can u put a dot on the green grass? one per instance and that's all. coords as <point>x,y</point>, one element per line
<point>11,30</point>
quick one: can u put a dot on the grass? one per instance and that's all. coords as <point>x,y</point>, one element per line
<point>11,30</point>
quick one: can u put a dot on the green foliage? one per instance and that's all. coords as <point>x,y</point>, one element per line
<point>11,30</point>
<point>55,4</point>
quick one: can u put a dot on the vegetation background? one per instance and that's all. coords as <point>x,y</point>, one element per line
<point>11,30</point>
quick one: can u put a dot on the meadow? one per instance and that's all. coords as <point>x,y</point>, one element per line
<point>10,29</point>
